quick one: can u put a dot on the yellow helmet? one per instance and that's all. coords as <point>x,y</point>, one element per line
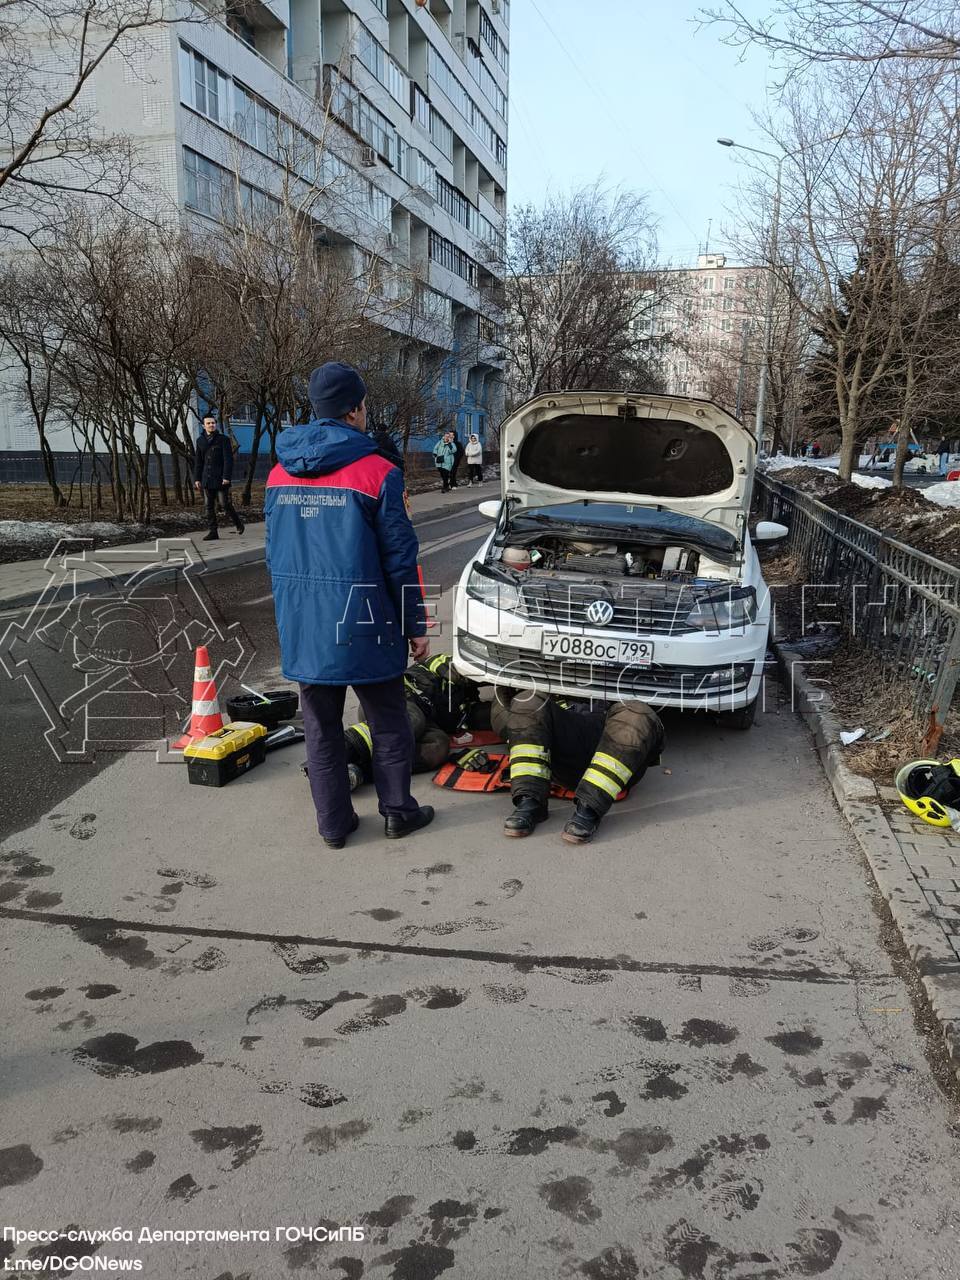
<point>928,788</point>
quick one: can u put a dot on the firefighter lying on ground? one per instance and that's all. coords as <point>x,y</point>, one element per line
<point>595,752</point>
<point>439,703</point>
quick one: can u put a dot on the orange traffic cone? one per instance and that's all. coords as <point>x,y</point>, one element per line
<point>206,717</point>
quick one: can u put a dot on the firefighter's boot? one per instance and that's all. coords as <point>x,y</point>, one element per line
<point>528,811</point>
<point>582,827</point>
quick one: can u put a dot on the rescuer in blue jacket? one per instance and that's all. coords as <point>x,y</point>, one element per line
<point>342,554</point>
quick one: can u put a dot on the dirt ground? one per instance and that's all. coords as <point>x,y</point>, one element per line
<point>33,502</point>
<point>904,514</point>
<point>893,734</point>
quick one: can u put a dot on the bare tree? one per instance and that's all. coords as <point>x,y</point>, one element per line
<point>864,172</point>
<point>579,280</point>
<point>806,33</point>
<point>54,145</point>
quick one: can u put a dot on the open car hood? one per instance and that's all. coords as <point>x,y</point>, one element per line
<point>672,452</point>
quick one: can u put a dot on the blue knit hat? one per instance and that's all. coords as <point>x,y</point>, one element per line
<point>336,389</point>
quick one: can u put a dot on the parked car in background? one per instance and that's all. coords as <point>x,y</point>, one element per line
<point>919,462</point>
<point>621,564</point>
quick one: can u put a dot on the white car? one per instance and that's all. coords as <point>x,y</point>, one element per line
<point>621,565</point>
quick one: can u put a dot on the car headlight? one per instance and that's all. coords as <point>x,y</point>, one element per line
<point>492,589</point>
<point>732,610</point>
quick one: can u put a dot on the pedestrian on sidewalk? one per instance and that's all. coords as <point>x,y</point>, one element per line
<point>458,452</point>
<point>342,555</point>
<point>444,454</point>
<point>474,453</point>
<point>213,473</point>
<point>943,449</point>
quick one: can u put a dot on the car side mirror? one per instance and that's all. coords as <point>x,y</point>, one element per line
<point>770,531</point>
<point>490,508</point>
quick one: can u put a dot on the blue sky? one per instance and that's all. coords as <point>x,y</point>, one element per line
<point>636,95</point>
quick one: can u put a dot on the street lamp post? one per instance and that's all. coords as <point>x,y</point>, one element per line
<point>771,282</point>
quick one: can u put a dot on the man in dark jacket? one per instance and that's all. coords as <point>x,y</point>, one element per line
<point>458,452</point>
<point>595,751</point>
<point>213,472</point>
<point>342,555</point>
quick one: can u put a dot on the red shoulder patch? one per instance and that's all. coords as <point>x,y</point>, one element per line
<point>366,476</point>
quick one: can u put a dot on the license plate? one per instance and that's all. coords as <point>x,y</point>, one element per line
<point>590,649</point>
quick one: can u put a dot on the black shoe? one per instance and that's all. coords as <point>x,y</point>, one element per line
<point>337,842</point>
<point>212,536</point>
<point>527,813</point>
<point>396,825</point>
<point>582,827</point>
<point>240,526</point>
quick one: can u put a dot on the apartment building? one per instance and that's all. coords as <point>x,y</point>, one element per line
<point>395,110</point>
<point>705,329</point>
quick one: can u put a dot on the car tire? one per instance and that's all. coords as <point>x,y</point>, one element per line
<point>741,719</point>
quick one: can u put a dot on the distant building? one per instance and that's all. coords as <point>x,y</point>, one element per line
<point>705,328</point>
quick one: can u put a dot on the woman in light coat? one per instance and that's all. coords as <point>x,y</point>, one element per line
<point>475,460</point>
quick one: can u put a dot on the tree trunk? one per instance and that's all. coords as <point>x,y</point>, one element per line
<point>50,469</point>
<point>849,452</point>
<point>254,455</point>
<point>901,454</point>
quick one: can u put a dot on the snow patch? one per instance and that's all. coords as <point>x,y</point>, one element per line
<point>944,494</point>
<point>20,531</point>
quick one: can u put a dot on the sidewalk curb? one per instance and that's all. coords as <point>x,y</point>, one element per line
<point>99,584</point>
<point>925,941</point>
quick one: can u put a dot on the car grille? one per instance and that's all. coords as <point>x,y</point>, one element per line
<point>657,680</point>
<point>653,609</point>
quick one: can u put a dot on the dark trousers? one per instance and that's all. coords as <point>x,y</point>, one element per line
<point>445,475</point>
<point>476,472</point>
<point>223,493</point>
<point>385,710</point>
<point>594,753</point>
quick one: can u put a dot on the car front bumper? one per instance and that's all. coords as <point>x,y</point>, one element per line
<point>714,672</point>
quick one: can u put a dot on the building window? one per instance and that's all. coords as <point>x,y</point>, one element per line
<point>447,82</point>
<point>708,284</point>
<point>728,304</point>
<point>491,38</point>
<point>456,204</point>
<point>488,86</point>
<point>441,133</point>
<point>255,122</point>
<point>203,86</point>
<point>372,55</point>
<point>729,282</point>
<point>207,185</point>
<point>358,114</point>
<point>257,205</point>
<point>447,254</point>
<point>421,108</point>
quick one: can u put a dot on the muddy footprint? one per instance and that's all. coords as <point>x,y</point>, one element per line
<point>84,828</point>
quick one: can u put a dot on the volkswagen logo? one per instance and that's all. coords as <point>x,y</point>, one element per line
<point>600,612</point>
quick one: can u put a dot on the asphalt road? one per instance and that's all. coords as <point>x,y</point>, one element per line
<point>685,1051</point>
<point>72,652</point>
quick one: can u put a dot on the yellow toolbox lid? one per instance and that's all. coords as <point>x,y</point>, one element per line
<point>225,742</point>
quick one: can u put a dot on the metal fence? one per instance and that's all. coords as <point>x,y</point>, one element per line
<point>902,605</point>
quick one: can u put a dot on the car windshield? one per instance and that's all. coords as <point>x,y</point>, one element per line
<point>644,525</point>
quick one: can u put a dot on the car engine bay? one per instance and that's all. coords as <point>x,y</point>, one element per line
<point>601,560</point>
